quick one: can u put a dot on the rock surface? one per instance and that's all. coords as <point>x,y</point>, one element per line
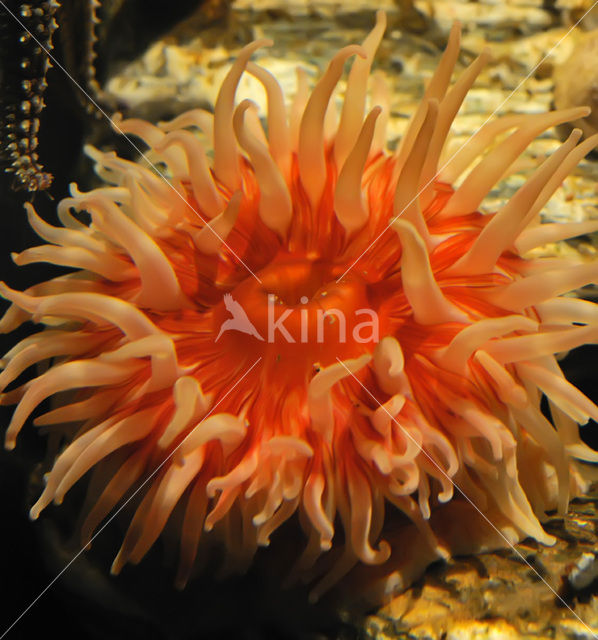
<point>521,593</point>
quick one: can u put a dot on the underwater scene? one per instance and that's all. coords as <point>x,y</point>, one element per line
<point>299,319</point>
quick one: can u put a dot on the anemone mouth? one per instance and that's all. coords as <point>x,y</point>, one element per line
<point>295,281</point>
<point>298,310</point>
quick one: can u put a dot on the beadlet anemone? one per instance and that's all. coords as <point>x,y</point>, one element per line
<point>357,430</point>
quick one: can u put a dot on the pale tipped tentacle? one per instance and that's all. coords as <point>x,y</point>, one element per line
<point>490,170</point>
<point>553,232</point>
<point>319,400</point>
<point>311,150</point>
<point>210,201</point>
<point>142,129</point>
<point>42,346</point>
<point>350,205</point>
<point>507,388</point>
<point>96,307</point>
<point>229,486</point>
<point>560,391</point>
<point>115,171</point>
<point>389,364</point>
<point>130,429</point>
<point>504,227</point>
<point>528,347</point>
<point>99,404</point>
<point>473,337</point>
<point>447,111</point>
<point>153,216</point>
<point>514,504</point>
<point>61,236</point>
<point>170,489</point>
<point>160,288</point>
<point>161,350</point>
<point>322,524</point>
<point>226,156</point>
<point>539,287</point>
<point>225,427</point>
<point>65,460</point>
<point>427,301</point>
<point>483,138</point>
<point>546,436</point>
<point>62,377</point>
<point>105,265</point>
<point>435,90</point>
<point>210,238</point>
<point>279,134</point>
<point>353,109</point>
<point>359,525</point>
<point>190,406</point>
<point>555,181</point>
<point>152,136</point>
<point>275,207</point>
<point>406,201</point>
<point>566,310</point>
<point>198,118</point>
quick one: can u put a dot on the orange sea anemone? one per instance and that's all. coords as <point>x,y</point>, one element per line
<point>305,326</point>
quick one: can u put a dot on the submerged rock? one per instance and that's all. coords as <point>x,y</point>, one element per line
<point>522,593</point>
<point>576,82</point>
